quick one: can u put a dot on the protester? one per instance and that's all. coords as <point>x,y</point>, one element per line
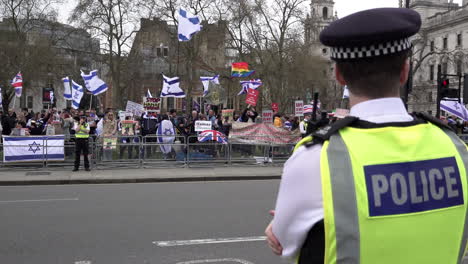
<point>277,120</point>
<point>249,115</point>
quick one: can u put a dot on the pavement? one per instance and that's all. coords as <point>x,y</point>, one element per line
<point>151,223</point>
<point>42,176</point>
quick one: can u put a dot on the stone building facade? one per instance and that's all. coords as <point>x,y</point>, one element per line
<point>51,51</point>
<point>157,50</point>
<point>443,40</point>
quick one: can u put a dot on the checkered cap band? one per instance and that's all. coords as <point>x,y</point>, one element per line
<point>341,53</point>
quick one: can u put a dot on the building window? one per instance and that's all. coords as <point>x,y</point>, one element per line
<point>459,40</point>
<point>166,51</point>
<point>170,103</point>
<point>432,46</point>
<point>459,67</point>
<point>159,52</point>
<point>444,68</point>
<point>429,97</point>
<point>29,103</point>
<point>445,43</point>
<point>431,72</point>
<point>325,13</point>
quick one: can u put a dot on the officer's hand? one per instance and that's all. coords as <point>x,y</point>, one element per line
<point>273,242</point>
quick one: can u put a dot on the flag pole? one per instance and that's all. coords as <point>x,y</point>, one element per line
<point>91,102</point>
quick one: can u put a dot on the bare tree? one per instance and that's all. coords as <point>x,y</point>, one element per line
<point>114,22</point>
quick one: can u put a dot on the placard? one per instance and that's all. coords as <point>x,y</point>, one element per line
<point>299,108</point>
<point>152,104</point>
<point>135,108</point>
<point>267,116</point>
<point>252,97</point>
<point>201,126</point>
<point>228,112</point>
<point>275,107</point>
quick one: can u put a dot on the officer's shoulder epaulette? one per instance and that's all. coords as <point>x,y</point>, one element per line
<point>324,134</point>
<point>432,119</point>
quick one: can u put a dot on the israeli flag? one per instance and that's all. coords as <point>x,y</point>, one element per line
<point>148,94</point>
<point>67,89</point>
<point>51,97</point>
<point>454,108</point>
<point>93,83</point>
<point>77,91</point>
<point>171,88</point>
<point>206,83</point>
<point>346,92</point>
<point>188,25</point>
<point>166,136</point>
<point>252,84</point>
<point>34,148</point>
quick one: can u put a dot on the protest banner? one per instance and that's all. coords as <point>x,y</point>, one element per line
<point>201,126</point>
<point>252,97</point>
<point>267,116</point>
<point>299,108</point>
<point>152,104</point>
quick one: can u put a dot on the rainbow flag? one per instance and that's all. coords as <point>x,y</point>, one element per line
<point>241,69</point>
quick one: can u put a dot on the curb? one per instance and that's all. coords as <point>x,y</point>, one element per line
<point>142,180</point>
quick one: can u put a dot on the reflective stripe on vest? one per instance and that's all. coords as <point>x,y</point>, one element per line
<point>306,124</point>
<point>81,134</point>
<point>395,195</point>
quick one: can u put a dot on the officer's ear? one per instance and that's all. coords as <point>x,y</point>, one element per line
<point>339,76</point>
<point>404,73</point>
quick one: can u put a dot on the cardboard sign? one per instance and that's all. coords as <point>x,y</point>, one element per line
<point>267,116</point>
<point>201,126</point>
<point>152,104</point>
<point>341,113</point>
<point>124,114</point>
<point>299,108</point>
<point>136,109</point>
<point>275,107</point>
<point>252,97</point>
<point>228,112</point>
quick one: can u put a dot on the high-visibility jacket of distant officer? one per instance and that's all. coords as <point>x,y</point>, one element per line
<point>81,143</point>
<point>304,124</point>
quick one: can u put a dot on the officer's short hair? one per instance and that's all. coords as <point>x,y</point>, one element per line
<point>373,77</point>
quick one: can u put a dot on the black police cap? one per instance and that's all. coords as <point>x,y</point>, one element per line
<point>371,33</point>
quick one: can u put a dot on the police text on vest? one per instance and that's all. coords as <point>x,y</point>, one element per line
<point>411,187</point>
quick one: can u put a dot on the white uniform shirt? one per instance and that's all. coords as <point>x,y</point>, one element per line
<point>299,204</point>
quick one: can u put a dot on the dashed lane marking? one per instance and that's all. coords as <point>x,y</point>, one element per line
<point>216,261</point>
<point>39,200</point>
<point>208,241</point>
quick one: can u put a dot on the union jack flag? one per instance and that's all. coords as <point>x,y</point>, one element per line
<point>17,83</point>
<point>310,108</point>
<point>212,135</point>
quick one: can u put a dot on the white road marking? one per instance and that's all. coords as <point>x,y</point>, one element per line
<point>40,200</point>
<point>216,261</point>
<point>83,262</point>
<point>207,241</point>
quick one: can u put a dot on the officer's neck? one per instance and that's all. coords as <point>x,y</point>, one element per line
<point>354,99</point>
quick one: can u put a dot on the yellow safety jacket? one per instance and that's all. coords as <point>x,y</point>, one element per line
<point>394,194</point>
<point>81,133</point>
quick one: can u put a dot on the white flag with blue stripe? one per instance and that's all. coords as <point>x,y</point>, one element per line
<point>77,91</point>
<point>206,83</point>
<point>51,97</point>
<point>189,25</point>
<point>252,84</point>
<point>93,83</point>
<point>67,89</point>
<point>346,92</point>
<point>148,94</point>
<point>171,88</point>
<point>166,136</point>
<point>454,108</point>
<point>33,148</point>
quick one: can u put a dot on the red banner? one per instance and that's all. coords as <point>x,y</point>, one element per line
<point>252,97</point>
<point>275,107</point>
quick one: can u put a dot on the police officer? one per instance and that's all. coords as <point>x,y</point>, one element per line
<point>304,124</point>
<point>81,143</point>
<point>380,186</point>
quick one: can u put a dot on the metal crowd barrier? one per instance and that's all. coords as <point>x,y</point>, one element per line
<point>157,152</point>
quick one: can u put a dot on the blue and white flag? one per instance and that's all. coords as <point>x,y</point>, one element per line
<point>77,92</point>
<point>188,25</point>
<point>93,83</point>
<point>34,148</point>
<point>51,95</point>
<point>148,94</point>
<point>454,108</point>
<point>67,89</point>
<point>252,84</point>
<point>166,136</point>
<point>171,88</point>
<point>206,83</point>
<point>346,92</point>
